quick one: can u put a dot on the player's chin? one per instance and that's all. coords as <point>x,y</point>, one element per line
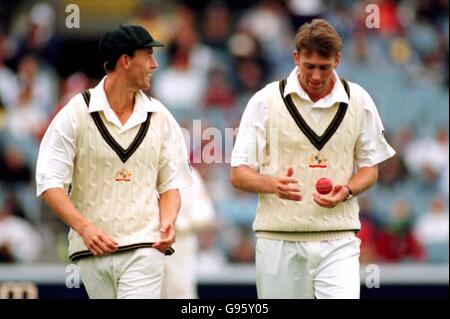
<point>145,86</point>
<point>316,89</point>
<point>145,83</point>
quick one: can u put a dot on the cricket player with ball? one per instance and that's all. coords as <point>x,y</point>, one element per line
<point>311,125</point>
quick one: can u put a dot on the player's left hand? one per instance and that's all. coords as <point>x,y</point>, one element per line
<point>338,194</point>
<point>168,237</point>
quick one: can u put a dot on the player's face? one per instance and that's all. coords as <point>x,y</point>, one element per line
<point>315,72</point>
<point>141,67</point>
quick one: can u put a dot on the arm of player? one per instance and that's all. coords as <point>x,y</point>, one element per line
<point>248,179</point>
<point>96,240</point>
<point>169,206</point>
<point>360,182</point>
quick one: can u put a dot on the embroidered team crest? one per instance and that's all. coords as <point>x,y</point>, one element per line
<point>123,175</point>
<point>318,160</point>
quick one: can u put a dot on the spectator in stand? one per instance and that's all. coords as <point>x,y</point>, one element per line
<point>219,93</point>
<point>13,168</point>
<point>16,177</point>
<point>9,87</point>
<point>211,258</point>
<point>243,251</point>
<point>428,153</point>
<point>397,243</point>
<point>27,115</point>
<point>38,37</point>
<point>393,172</point>
<point>216,26</point>
<point>269,22</point>
<point>180,74</point>
<point>432,231</point>
<point>249,61</point>
<point>303,11</point>
<point>201,57</point>
<point>369,231</point>
<point>19,240</point>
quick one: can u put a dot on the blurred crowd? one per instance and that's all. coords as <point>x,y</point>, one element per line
<point>217,54</point>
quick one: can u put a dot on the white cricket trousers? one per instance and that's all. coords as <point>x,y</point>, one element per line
<point>307,270</point>
<point>134,274</point>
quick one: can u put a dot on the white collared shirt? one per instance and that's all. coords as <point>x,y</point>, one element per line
<point>58,147</point>
<point>99,102</point>
<point>373,147</point>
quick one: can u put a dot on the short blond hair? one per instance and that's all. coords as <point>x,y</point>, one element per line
<point>318,36</point>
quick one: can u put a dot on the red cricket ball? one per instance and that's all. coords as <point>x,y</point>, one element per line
<point>324,185</point>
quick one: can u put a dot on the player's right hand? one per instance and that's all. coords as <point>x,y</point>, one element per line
<point>168,237</point>
<point>97,241</point>
<point>286,187</point>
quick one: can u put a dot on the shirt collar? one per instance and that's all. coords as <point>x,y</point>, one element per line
<point>99,102</point>
<point>336,95</point>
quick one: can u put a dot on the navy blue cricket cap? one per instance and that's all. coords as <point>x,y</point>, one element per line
<point>125,39</point>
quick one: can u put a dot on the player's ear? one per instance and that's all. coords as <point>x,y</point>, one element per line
<point>337,59</point>
<point>124,61</point>
<point>296,58</point>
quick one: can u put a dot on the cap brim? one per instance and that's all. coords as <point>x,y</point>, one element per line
<point>153,43</point>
